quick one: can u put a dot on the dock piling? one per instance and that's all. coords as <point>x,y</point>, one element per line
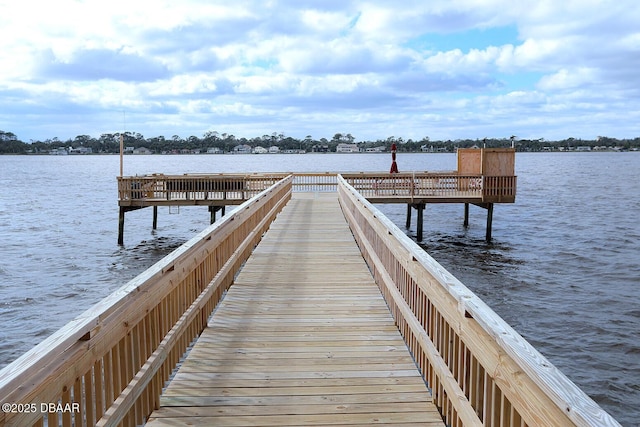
<point>213,209</point>
<point>466,215</point>
<point>155,217</point>
<point>121,225</point>
<point>420,226</point>
<point>420,208</point>
<point>489,221</point>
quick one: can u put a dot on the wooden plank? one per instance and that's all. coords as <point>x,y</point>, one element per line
<point>402,419</point>
<point>208,407</point>
<point>303,337</point>
<point>310,383</point>
<point>382,399</point>
<point>306,390</point>
<point>202,366</point>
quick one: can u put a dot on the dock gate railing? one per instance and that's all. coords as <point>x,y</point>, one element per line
<point>480,371</point>
<point>109,365</point>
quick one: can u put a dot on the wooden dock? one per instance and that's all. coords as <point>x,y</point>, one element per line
<point>303,337</point>
<point>483,177</point>
<point>305,309</point>
<point>217,191</point>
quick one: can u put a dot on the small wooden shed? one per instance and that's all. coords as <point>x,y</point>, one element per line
<point>486,161</point>
<point>497,168</point>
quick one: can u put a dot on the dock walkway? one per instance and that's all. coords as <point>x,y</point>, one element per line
<point>303,337</point>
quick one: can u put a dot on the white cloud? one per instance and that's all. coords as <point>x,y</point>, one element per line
<point>324,22</point>
<point>568,79</point>
<point>321,65</point>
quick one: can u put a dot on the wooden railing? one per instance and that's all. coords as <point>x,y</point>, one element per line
<point>232,187</point>
<point>235,188</point>
<point>499,189</point>
<point>108,366</point>
<point>480,371</point>
<point>450,185</point>
<point>225,187</point>
<point>315,182</point>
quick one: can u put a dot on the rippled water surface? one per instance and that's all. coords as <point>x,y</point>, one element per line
<point>562,269</point>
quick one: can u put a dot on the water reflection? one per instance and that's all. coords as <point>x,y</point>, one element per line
<point>129,261</point>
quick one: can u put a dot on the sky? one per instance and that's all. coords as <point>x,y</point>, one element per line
<point>443,69</point>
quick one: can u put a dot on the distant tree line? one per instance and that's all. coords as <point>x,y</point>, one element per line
<point>109,143</point>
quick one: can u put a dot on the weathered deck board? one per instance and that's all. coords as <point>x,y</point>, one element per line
<point>303,337</point>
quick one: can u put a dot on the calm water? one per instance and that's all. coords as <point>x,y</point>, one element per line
<point>563,268</point>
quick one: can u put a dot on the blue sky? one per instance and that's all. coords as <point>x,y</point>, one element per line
<point>445,69</point>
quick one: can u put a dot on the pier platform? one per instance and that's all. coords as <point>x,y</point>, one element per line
<point>415,189</point>
<point>303,337</point>
<point>297,308</point>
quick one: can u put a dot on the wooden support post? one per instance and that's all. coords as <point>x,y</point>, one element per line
<point>155,217</point>
<point>408,216</point>
<point>224,209</point>
<point>489,221</point>
<point>420,208</point>
<point>121,226</point>
<point>466,215</point>
<point>212,211</point>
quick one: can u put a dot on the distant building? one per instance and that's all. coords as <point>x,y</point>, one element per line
<point>260,150</point>
<point>380,149</point>
<point>347,148</point>
<point>274,149</point>
<point>142,150</point>
<point>81,150</point>
<point>242,149</point>
<point>214,150</point>
<point>59,151</point>
<point>323,148</point>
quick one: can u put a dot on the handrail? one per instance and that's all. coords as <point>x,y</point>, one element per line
<point>480,370</point>
<point>315,182</point>
<point>109,365</point>
<point>424,185</point>
<point>136,190</point>
<point>194,186</point>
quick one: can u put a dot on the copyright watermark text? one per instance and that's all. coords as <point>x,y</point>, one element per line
<point>41,408</point>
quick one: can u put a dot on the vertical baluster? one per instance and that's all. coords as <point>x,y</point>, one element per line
<point>78,403</point>
<point>126,373</point>
<point>89,396</point>
<point>66,400</point>
<point>53,418</point>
